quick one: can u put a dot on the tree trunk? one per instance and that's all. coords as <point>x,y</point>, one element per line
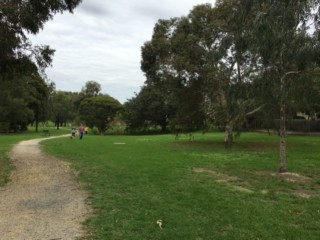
<point>163,127</point>
<point>37,124</point>
<point>57,123</point>
<point>282,132</point>
<point>228,136</point>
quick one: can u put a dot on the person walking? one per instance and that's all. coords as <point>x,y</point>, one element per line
<point>81,130</point>
<point>73,133</point>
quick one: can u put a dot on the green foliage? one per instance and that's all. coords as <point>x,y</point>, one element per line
<point>24,92</point>
<point>23,101</point>
<point>203,64</point>
<point>211,68</point>
<point>148,108</point>
<point>99,111</point>
<point>170,62</point>
<point>19,17</point>
<point>289,56</point>
<point>197,188</point>
<point>91,89</point>
<point>63,107</point>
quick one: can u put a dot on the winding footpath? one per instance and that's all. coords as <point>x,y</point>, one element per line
<point>43,200</point>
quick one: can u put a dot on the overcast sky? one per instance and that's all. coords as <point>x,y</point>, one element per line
<point>102,41</point>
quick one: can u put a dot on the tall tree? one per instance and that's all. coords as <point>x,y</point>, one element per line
<point>39,97</point>
<point>149,107</point>
<point>287,50</point>
<point>30,93</point>
<point>170,72</point>
<point>205,62</point>
<point>20,61</point>
<point>230,67</point>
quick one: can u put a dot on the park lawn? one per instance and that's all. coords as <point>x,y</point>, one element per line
<point>8,140</point>
<point>197,188</point>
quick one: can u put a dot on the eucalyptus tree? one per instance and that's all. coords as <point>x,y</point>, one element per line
<point>231,66</point>
<point>205,63</point>
<point>170,76</point>
<point>132,114</point>
<point>288,51</point>
<point>148,108</point>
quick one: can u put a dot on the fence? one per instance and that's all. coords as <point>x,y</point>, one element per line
<point>4,127</point>
<point>296,125</point>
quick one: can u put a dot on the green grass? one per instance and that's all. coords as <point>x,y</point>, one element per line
<point>132,185</point>
<point>8,140</point>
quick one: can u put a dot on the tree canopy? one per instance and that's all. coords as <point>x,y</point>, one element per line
<point>99,111</point>
<point>289,53</point>
<point>19,17</point>
<point>91,89</point>
<point>204,63</point>
<point>236,59</point>
<point>25,91</point>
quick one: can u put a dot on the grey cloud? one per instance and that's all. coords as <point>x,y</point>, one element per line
<point>94,7</point>
<point>101,41</point>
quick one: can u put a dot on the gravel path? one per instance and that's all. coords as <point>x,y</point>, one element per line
<point>43,201</point>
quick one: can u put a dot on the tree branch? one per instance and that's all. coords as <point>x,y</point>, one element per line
<point>255,110</point>
<point>289,73</point>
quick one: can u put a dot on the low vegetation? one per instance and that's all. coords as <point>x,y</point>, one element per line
<point>159,187</point>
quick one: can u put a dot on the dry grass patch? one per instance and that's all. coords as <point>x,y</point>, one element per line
<point>233,182</point>
<point>303,194</point>
<point>221,177</point>
<point>224,178</point>
<point>305,187</point>
<point>221,145</point>
<point>292,177</point>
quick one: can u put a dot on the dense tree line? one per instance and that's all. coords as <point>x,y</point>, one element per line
<point>26,96</point>
<point>88,106</point>
<point>24,90</point>
<point>218,65</point>
<point>221,64</point>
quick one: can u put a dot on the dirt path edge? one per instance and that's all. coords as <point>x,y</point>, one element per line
<point>43,200</point>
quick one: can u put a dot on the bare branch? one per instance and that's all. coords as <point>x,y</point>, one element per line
<point>256,110</point>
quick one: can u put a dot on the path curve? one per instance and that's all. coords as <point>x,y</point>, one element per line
<point>43,200</point>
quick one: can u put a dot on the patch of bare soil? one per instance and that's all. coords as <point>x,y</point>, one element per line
<point>224,178</point>
<point>297,178</point>
<point>291,177</point>
<point>221,177</point>
<point>233,182</point>
<point>43,201</point>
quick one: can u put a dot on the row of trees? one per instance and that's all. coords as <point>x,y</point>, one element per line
<point>33,101</point>
<point>89,106</point>
<point>26,96</point>
<point>219,65</point>
<point>24,90</point>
